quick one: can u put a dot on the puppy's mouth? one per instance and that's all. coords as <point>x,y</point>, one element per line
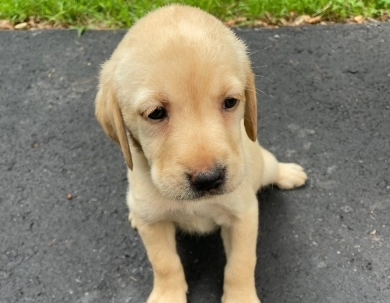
<point>189,194</point>
<point>205,194</point>
<point>198,185</point>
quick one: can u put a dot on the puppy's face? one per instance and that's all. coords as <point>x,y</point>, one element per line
<point>183,101</point>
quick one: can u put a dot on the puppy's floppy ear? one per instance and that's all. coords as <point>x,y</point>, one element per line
<point>108,114</point>
<point>250,116</point>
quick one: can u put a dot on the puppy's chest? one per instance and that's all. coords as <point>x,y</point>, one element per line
<point>200,218</point>
<point>191,216</point>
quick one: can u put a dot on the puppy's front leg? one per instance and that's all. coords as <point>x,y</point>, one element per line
<point>169,284</point>
<point>240,240</point>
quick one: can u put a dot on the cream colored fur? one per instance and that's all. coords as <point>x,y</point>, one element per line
<point>185,61</point>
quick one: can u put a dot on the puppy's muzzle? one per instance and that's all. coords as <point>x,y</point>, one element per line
<point>210,181</point>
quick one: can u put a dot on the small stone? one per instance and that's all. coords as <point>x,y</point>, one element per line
<point>347,209</point>
<point>321,264</point>
<point>22,25</point>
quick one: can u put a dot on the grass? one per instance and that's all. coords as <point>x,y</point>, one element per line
<point>121,13</point>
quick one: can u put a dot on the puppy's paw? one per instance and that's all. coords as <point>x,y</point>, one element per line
<point>167,296</point>
<point>232,297</point>
<point>291,175</point>
<point>133,221</point>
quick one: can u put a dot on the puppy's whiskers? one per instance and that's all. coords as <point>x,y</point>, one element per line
<point>259,50</point>
<point>262,76</point>
<point>259,66</point>
<point>258,90</point>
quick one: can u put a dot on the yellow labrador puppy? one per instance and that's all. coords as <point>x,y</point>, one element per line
<point>178,95</point>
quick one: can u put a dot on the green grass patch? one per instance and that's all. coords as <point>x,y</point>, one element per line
<point>120,13</point>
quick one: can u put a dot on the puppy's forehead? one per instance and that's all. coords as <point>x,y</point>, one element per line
<point>191,27</point>
<point>194,67</point>
<point>189,55</point>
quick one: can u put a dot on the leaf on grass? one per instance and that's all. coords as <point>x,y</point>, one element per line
<point>80,31</point>
<point>6,24</point>
<point>385,16</point>
<point>359,19</point>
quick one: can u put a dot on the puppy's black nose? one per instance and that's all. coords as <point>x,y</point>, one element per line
<point>208,180</point>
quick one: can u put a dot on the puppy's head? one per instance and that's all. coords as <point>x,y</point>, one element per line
<point>178,87</point>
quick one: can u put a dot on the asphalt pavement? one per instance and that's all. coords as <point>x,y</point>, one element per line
<point>324,99</point>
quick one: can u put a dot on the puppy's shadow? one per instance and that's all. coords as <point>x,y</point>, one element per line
<point>272,244</point>
<point>203,257</point>
<point>203,260</point>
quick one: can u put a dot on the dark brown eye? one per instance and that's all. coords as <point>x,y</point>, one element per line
<point>229,103</point>
<point>158,114</point>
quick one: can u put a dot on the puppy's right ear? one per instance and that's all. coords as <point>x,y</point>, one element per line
<point>108,114</point>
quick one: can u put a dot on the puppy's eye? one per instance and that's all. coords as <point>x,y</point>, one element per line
<point>158,114</point>
<point>229,103</point>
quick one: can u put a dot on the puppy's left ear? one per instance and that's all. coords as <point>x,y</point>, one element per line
<point>250,116</point>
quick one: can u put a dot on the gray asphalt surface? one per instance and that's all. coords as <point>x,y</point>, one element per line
<point>325,105</point>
